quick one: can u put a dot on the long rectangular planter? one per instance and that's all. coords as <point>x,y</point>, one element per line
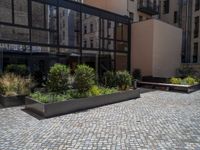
<point>171,87</point>
<point>10,101</point>
<point>74,105</point>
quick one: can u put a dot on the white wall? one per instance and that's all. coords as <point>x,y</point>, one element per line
<point>156,48</point>
<point>166,50</point>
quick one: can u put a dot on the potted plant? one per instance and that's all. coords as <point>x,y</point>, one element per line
<point>61,98</point>
<point>13,89</point>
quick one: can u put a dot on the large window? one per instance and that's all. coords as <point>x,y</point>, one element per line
<point>69,27</point>
<point>90,31</point>
<point>11,33</point>
<point>44,33</point>
<point>5,11</point>
<point>107,34</point>
<point>21,12</point>
<point>122,37</point>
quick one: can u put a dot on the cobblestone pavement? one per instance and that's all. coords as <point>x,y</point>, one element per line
<point>158,120</point>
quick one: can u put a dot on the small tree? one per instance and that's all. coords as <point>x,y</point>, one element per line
<point>123,80</point>
<point>58,78</point>
<point>109,79</point>
<point>84,78</point>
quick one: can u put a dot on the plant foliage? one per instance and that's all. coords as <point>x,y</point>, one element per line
<point>123,80</point>
<point>84,78</point>
<point>58,78</point>
<point>11,85</point>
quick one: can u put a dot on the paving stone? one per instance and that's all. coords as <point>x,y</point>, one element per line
<point>157,120</point>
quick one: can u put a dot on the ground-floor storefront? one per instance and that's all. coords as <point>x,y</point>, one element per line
<point>39,33</point>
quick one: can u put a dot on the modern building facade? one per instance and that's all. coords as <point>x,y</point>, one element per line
<point>153,42</point>
<point>100,33</point>
<point>39,33</point>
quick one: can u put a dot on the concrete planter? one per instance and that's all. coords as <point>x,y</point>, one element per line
<point>170,87</point>
<point>74,105</point>
<point>9,101</point>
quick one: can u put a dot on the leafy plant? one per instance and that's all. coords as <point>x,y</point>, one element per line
<point>185,81</point>
<point>95,91</point>
<point>175,80</point>
<point>123,80</point>
<point>11,85</point>
<point>21,70</point>
<point>109,79</point>
<point>50,97</point>
<point>58,78</point>
<point>84,78</point>
<point>190,81</point>
<point>106,91</point>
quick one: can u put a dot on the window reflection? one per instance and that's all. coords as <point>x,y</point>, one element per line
<point>69,26</point>
<point>21,12</point>
<point>5,11</point>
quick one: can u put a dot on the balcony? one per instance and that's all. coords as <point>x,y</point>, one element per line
<point>148,7</point>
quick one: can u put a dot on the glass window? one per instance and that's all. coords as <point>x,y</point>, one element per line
<point>122,32</point>
<point>92,35</point>
<point>15,47</point>
<point>21,12</point>
<point>122,46</point>
<point>121,61</point>
<point>106,62</point>
<point>5,11</point>
<point>71,28</point>
<point>42,49</point>
<point>38,13</point>
<point>125,32</point>
<point>44,37</point>
<point>119,31</point>
<point>107,29</point>
<point>14,33</point>
<point>51,17</point>
<point>90,58</point>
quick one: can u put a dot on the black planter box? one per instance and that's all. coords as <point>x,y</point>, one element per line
<point>10,101</point>
<point>170,87</point>
<point>74,105</point>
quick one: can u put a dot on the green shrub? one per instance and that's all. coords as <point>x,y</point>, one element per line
<point>107,91</point>
<point>11,85</point>
<point>186,81</point>
<point>123,80</point>
<point>84,78</point>
<point>95,91</point>
<point>190,81</point>
<point>137,74</point>
<point>58,78</point>
<point>21,70</point>
<point>109,79</point>
<point>50,97</point>
<point>175,80</point>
